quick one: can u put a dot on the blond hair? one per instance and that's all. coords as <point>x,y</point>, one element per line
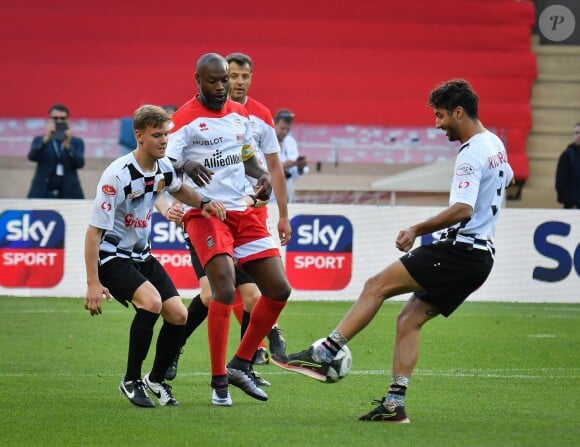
<point>149,116</point>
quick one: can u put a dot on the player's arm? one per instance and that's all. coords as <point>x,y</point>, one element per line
<point>190,197</point>
<point>171,210</point>
<point>458,212</point>
<point>95,290</point>
<point>279,185</point>
<point>463,196</point>
<point>254,169</point>
<point>200,175</point>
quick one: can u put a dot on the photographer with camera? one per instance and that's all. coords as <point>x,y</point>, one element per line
<point>293,163</point>
<point>58,156</point>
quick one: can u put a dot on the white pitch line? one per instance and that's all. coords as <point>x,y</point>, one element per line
<point>532,374</point>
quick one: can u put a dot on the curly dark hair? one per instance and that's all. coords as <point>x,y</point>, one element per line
<point>455,93</point>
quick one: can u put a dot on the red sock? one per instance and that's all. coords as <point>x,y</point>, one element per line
<point>264,315</point>
<point>239,312</point>
<point>218,327</point>
<point>238,307</point>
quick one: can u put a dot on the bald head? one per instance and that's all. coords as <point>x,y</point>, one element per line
<point>213,81</point>
<point>210,59</point>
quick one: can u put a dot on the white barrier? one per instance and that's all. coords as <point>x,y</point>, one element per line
<point>538,251</point>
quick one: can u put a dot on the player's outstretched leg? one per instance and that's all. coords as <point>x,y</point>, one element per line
<point>303,362</point>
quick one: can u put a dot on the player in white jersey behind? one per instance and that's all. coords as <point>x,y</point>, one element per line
<point>440,275</point>
<point>241,70</point>
<point>118,259</point>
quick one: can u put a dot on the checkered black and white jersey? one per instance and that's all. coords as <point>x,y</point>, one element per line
<point>482,174</point>
<point>124,203</point>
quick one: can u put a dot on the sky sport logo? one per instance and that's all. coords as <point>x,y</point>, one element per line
<point>31,248</point>
<point>168,246</point>
<point>319,255</point>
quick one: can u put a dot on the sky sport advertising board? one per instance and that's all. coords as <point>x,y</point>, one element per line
<point>319,255</point>
<point>168,246</point>
<point>32,248</point>
<point>335,248</point>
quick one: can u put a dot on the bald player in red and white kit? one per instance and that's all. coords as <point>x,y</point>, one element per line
<point>215,132</point>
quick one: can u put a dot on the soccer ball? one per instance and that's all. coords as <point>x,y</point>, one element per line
<point>340,365</point>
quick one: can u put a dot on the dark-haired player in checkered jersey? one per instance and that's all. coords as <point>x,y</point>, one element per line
<point>441,275</point>
<point>118,259</point>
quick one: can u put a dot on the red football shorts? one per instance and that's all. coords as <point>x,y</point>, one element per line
<point>243,235</point>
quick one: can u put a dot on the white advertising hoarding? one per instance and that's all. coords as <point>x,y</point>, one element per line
<point>334,249</point>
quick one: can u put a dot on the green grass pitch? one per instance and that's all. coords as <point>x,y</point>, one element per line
<point>493,374</point>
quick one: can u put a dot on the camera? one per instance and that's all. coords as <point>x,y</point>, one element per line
<point>60,127</point>
<point>288,174</point>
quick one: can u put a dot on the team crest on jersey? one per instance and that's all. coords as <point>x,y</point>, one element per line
<point>465,169</point>
<point>135,194</point>
<point>109,190</point>
<point>239,125</point>
<point>210,242</point>
<point>160,185</point>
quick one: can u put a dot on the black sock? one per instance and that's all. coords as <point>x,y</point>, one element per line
<point>169,342</point>
<point>238,363</point>
<point>245,323</point>
<point>196,314</point>
<point>140,336</point>
<point>399,390</point>
<point>219,381</point>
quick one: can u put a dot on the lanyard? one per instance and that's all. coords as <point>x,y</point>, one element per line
<point>57,149</point>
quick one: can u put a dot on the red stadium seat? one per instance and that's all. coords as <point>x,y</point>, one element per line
<point>360,65</point>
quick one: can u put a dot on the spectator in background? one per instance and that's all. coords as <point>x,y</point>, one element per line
<point>126,134</point>
<point>568,173</point>
<point>58,156</point>
<point>293,163</point>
